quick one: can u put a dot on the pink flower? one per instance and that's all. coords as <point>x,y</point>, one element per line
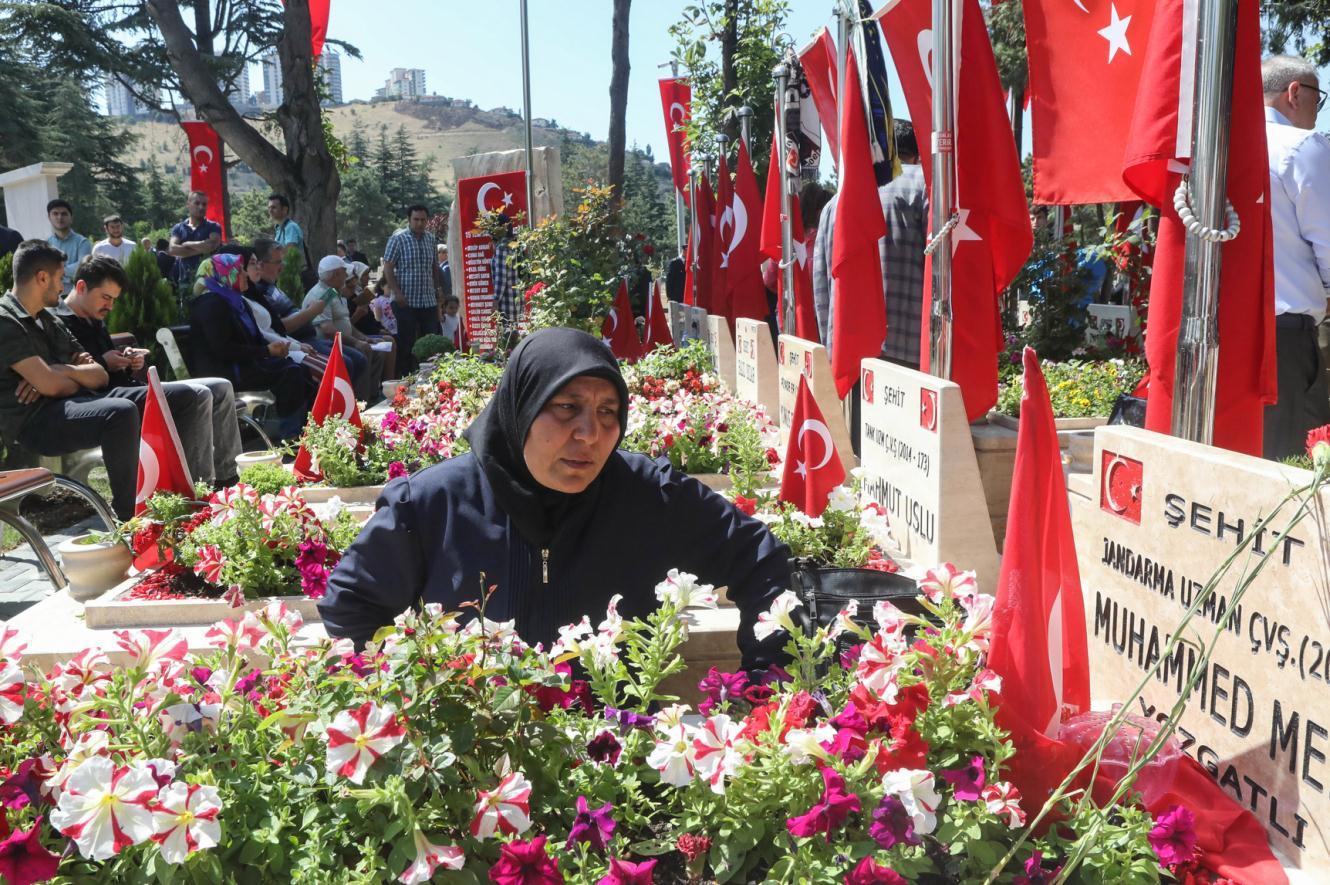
<point>429,857</point>
<point>23,858</point>
<point>235,596</point>
<point>209,564</point>
<point>966,782</point>
<point>623,872</point>
<point>104,809</point>
<point>313,573</point>
<point>151,647</point>
<point>828,814</point>
<point>357,738</point>
<point>948,582</point>
<point>243,635</point>
<point>396,469</point>
<point>870,872</point>
<point>1004,800</point>
<point>525,863</point>
<point>185,817</point>
<point>505,810</point>
<point>1174,836</point>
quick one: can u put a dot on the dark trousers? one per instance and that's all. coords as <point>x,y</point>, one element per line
<point>1304,395</point>
<point>413,323</point>
<point>356,363</point>
<point>86,421</point>
<point>287,381</point>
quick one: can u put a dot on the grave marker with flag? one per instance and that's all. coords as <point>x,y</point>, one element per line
<point>812,466</point>
<point>337,398</point>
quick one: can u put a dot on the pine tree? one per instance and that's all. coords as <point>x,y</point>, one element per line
<point>357,142</point>
<point>147,304</point>
<point>384,166</point>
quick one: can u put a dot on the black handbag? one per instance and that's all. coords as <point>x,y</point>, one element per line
<point>826,591</point>
<point>1128,410</point>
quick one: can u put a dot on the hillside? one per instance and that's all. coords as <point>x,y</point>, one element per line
<point>441,132</point>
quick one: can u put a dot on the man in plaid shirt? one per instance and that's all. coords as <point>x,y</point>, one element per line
<point>412,279</point>
<point>905,207</point>
<point>507,300</point>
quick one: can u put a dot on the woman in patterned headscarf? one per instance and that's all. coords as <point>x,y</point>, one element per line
<point>226,342</point>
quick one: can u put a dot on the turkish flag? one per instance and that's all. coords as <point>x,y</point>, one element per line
<point>859,324</point>
<point>205,169</point>
<point>459,337</point>
<point>992,239</point>
<point>1158,150</point>
<point>771,245</point>
<point>1086,60</point>
<point>721,218</point>
<point>819,63</point>
<point>620,331</point>
<point>746,294</point>
<point>335,398</point>
<point>318,25</point>
<point>701,248</point>
<point>812,466</point>
<point>658,324</point>
<point>676,100</point>
<point>162,465</point>
<point>805,317</point>
<point>1039,646</point>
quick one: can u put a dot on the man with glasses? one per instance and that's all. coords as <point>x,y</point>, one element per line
<point>1300,212</point>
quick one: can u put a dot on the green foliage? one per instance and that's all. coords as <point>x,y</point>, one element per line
<point>1006,31</point>
<point>267,479</point>
<point>1077,389</point>
<point>249,216</point>
<point>648,190</point>
<point>1301,26</point>
<point>6,272</point>
<point>147,304</point>
<point>365,211</point>
<point>289,279</point>
<point>429,346</point>
<point>1057,292</point>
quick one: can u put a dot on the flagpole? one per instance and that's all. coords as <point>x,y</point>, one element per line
<point>526,114</point>
<point>944,183</point>
<point>781,73</point>
<point>1214,223</point>
<point>746,128</point>
<point>842,45</point>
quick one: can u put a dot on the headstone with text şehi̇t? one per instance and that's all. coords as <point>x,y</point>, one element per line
<point>755,374</point>
<point>919,463</point>
<point>1162,515</point>
<point>796,356</point>
<point>721,343</point>
<point>502,192</point>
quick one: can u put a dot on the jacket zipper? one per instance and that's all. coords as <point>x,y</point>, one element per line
<point>545,565</point>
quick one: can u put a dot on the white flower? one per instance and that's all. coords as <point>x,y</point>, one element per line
<point>185,819</point>
<point>498,633</point>
<point>673,756</point>
<point>11,692</point>
<point>873,521</point>
<point>275,613</point>
<point>778,616</point>
<point>571,637</point>
<point>844,622</point>
<point>813,522</point>
<point>613,623</point>
<point>357,738</point>
<point>333,507</point>
<point>805,744</point>
<point>948,582</point>
<point>714,754</point>
<point>672,716</point>
<point>1004,800</point>
<point>104,809</point>
<point>978,619</point>
<point>429,857</point>
<point>148,648</point>
<point>914,787</point>
<point>842,498</point>
<point>681,590</point>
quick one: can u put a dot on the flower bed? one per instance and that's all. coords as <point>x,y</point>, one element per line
<point>459,748</point>
<point>1077,389</point>
<point>851,533</point>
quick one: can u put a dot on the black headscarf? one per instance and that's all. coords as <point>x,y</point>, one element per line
<point>539,367</point>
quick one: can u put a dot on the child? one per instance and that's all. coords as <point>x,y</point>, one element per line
<point>382,306</point>
<point>452,306</point>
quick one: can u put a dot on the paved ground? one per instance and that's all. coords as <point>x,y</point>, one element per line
<point>22,580</point>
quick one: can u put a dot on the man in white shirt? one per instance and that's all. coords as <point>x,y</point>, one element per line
<point>1300,212</point>
<point>115,245</point>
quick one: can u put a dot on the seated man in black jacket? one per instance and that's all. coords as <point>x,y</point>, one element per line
<point>204,409</point>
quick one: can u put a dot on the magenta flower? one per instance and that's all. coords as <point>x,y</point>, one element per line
<point>604,748</point>
<point>624,872</point>
<point>1035,874</point>
<point>22,788</point>
<point>1174,836</point>
<point>23,858</point>
<point>869,872</point>
<point>525,863</point>
<point>720,688</point>
<point>396,469</point>
<point>596,828</point>
<point>967,783</point>
<point>313,575</point>
<point>892,824</point>
<point>829,814</point>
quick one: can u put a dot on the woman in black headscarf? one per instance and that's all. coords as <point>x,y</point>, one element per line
<point>548,510</point>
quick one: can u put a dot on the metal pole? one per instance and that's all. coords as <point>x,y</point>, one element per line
<point>842,47</point>
<point>781,73</point>
<point>526,113</point>
<point>1198,334</point>
<point>746,128</point>
<point>944,183</point>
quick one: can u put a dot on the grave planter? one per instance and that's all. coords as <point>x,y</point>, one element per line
<point>113,610</point>
<point>1063,424</point>
<point>248,459</point>
<point>93,567</point>
<point>319,494</point>
<point>717,482</point>
<point>389,388</point>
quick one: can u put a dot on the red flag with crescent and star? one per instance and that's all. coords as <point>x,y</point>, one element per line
<point>676,100</point>
<point>702,248</point>
<point>336,398</point>
<point>992,237</point>
<point>741,234</point>
<point>658,324</point>
<point>819,62</point>
<point>812,466</point>
<point>206,170</point>
<point>620,329</point>
<point>162,465</point>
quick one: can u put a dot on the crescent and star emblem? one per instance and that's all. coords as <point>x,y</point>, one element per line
<point>1113,503</point>
<point>204,149</point>
<point>821,429</point>
<point>348,397</point>
<point>149,472</point>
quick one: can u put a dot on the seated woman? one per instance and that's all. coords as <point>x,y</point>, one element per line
<point>227,343</point>
<point>547,509</point>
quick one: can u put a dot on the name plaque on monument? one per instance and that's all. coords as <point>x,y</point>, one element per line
<point>679,322</point>
<point>755,377</point>
<point>797,356</point>
<point>1162,516</point>
<point>919,463</point>
<point>721,343</point>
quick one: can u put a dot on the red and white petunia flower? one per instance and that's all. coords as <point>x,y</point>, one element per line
<point>673,755</point>
<point>1004,800</point>
<point>209,564</point>
<point>150,648</point>
<point>778,617</point>
<point>430,857</point>
<point>224,503</point>
<point>11,649</point>
<point>878,663</point>
<point>715,755</point>
<point>357,738</point>
<point>234,596</point>
<point>505,810</point>
<point>915,789</point>
<point>104,808</point>
<point>276,613</point>
<point>948,582</point>
<point>986,681</point>
<point>243,634</point>
<point>12,690</point>
<point>978,619</point>
<point>185,819</point>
